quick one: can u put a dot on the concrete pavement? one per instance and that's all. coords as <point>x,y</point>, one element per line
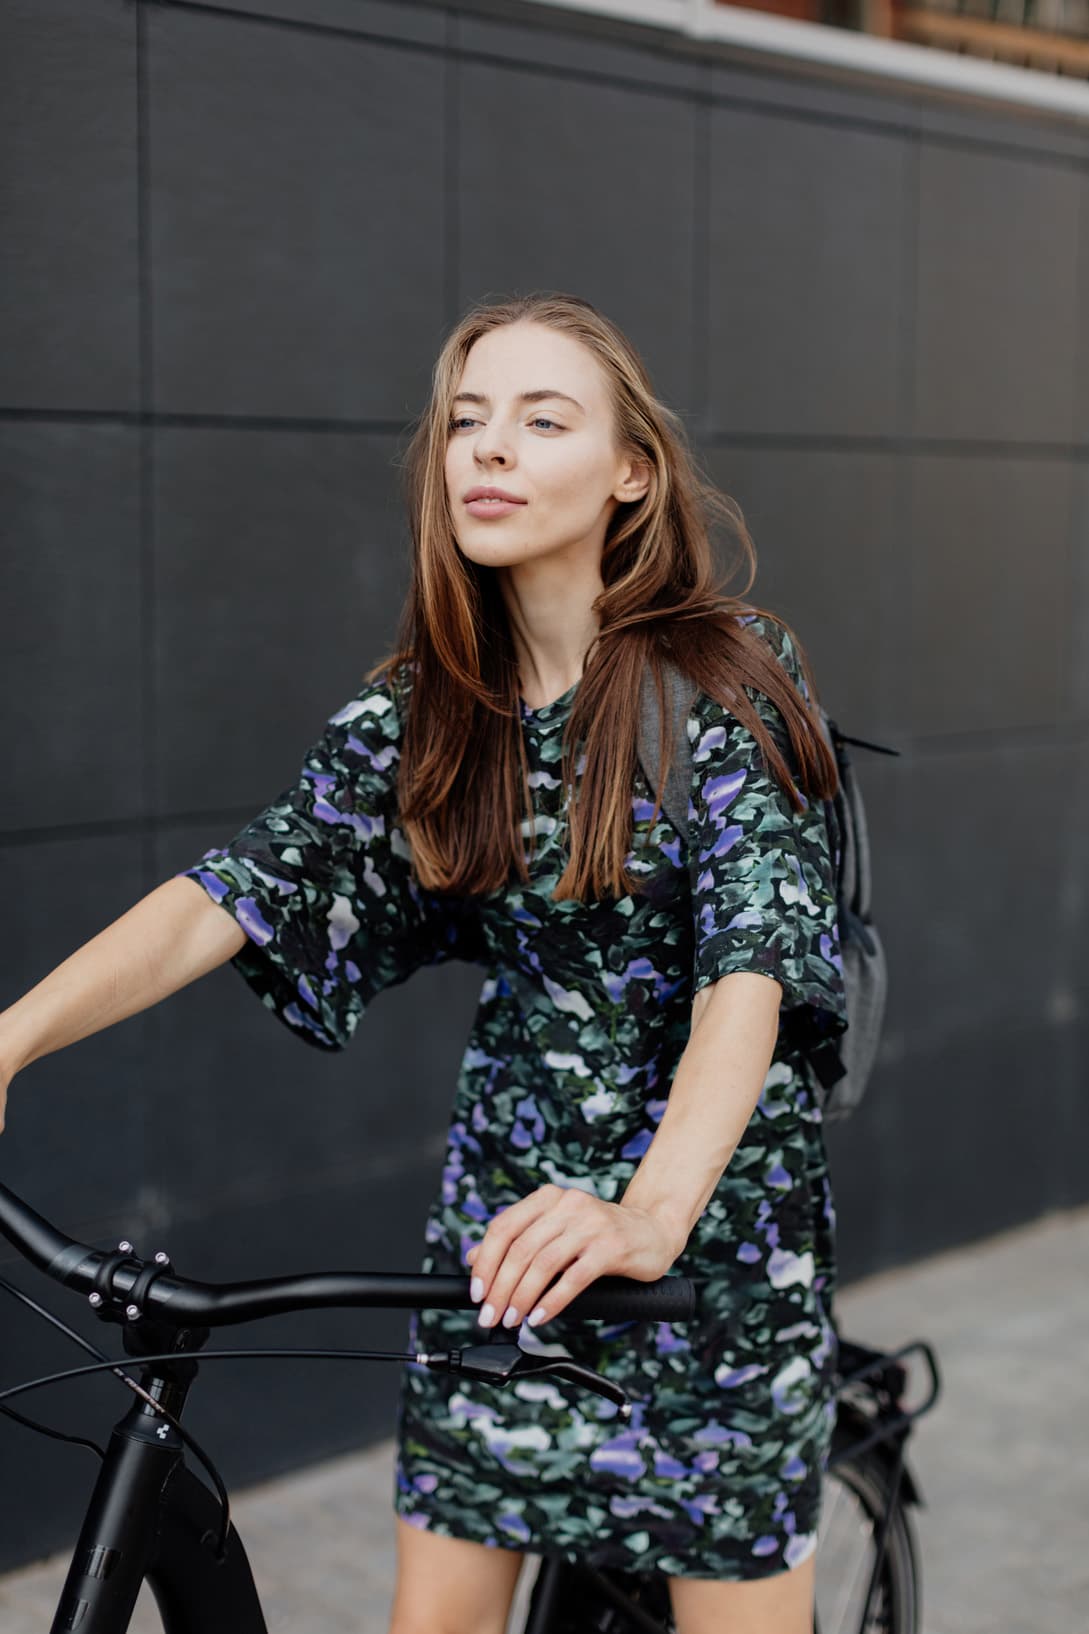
<point>1003,1462</point>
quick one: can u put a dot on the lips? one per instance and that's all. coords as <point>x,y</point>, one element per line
<point>493,493</point>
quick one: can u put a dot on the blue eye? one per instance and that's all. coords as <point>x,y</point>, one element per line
<point>539,419</point>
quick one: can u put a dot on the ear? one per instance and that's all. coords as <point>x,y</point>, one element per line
<point>635,480</point>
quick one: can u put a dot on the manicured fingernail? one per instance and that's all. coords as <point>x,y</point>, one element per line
<point>537,1316</point>
<point>510,1317</point>
<point>476,1289</point>
<point>487,1316</point>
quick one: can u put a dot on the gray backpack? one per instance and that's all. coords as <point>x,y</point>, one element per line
<point>842,1066</point>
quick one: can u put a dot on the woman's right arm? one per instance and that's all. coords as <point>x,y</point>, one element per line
<point>173,935</point>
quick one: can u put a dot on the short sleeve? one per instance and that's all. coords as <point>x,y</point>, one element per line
<point>321,883</point>
<point>762,875</point>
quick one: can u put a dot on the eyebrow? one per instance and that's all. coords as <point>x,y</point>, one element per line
<point>523,397</point>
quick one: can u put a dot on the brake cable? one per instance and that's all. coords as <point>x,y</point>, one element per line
<point>493,1362</point>
<point>133,1384</point>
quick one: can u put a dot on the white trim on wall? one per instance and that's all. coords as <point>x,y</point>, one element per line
<point>867,54</point>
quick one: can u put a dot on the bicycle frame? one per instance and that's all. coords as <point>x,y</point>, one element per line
<point>146,1494</point>
<point>147,1499</point>
<point>550,1582</point>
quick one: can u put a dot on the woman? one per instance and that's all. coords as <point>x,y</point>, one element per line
<point>634,1095</point>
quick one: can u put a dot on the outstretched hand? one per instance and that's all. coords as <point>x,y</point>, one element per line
<point>565,1232</point>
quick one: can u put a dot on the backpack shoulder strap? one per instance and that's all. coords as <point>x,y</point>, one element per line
<point>840,817</point>
<point>680,694</point>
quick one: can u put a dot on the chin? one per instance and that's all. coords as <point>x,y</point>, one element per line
<point>500,553</point>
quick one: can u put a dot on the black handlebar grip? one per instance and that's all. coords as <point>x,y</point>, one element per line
<point>622,1299</point>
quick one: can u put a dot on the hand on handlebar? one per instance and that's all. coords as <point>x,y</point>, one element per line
<point>561,1232</point>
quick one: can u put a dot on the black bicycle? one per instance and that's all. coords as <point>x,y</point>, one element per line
<point>150,1518</point>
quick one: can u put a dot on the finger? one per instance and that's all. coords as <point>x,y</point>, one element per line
<point>501,1232</point>
<point>522,1255</point>
<point>578,1276</point>
<point>543,1250</point>
<point>546,1266</point>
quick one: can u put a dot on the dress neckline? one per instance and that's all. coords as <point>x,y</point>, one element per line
<point>550,711</point>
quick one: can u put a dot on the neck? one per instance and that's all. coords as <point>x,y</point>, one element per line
<point>553,625</point>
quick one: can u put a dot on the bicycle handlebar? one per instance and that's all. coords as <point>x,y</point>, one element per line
<point>160,1292</point>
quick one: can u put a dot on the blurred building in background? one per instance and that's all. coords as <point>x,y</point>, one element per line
<point>1052,35</point>
<point>234,236</point>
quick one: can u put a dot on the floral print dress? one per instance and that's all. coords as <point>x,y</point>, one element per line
<point>583,1015</point>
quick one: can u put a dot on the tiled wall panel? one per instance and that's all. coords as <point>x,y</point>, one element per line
<point>280,564</point>
<point>996,319</point>
<point>69,318</point>
<point>296,219</point>
<point>268,1113</point>
<point>542,206</point>
<point>73,595</point>
<point>828,537</point>
<point>809,281</point>
<point>77,1118</point>
<point>988,606</point>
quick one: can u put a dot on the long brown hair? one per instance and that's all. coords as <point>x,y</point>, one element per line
<point>463,778</point>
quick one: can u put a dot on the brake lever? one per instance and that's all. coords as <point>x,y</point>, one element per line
<point>499,1363</point>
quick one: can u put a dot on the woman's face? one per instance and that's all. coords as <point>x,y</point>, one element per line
<point>555,454</point>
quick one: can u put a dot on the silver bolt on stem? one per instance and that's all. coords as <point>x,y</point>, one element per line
<point>125,1247</point>
<point>161,1258</point>
<point>95,1299</point>
<point>132,1312</point>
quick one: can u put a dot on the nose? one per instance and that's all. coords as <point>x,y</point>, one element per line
<point>491,445</point>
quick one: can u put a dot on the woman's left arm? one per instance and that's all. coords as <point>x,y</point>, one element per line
<point>565,1232</point>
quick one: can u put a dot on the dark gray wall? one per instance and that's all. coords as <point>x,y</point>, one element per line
<point>233,240</point>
